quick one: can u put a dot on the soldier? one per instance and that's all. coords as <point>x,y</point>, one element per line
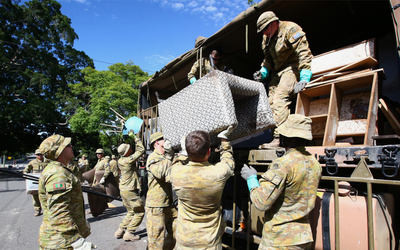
<point>161,214</point>
<point>83,164</point>
<point>36,166</point>
<point>102,164</point>
<point>206,65</point>
<point>199,186</point>
<point>114,168</point>
<point>64,224</point>
<point>288,62</point>
<point>288,189</point>
<point>130,191</point>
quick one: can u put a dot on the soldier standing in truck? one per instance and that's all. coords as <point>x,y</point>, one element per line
<point>288,63</point>
<point>206,65</point>
<point>288,189</point>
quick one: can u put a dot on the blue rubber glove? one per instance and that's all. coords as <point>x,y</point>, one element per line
<point>192,80</point>
<point>264,73</point>
<point>305,75</point>
<point>250,175</point>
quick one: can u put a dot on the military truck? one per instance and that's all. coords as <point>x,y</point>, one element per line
<point>352,100</point>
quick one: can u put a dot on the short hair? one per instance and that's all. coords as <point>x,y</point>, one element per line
<point>197,144</point>
<point>218,51</point>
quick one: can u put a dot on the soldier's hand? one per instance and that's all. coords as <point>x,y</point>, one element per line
<point>183,146</point>
<point>168,147</point>
<point>82,244</point>
<point>247,171</point>
<point>257,76</point>
<point>224,134</point>
<point>299,86</point>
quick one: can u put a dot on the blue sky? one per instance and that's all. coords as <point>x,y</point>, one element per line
<point>149,32</point>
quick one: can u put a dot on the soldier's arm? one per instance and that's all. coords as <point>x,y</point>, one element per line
<point>297,38</point>
<point>268,62</point>
<point>226,157</point>
<point>159,168</point>
<point>272,184</point>
<point>28,168</point>
<point>193,70</point>
<point>59,188</point>
<point>139,150</point>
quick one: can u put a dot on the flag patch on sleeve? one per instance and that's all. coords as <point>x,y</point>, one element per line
<point>296,35</point>
<point>59,186</point>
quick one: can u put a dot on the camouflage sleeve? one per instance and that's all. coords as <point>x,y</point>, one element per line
<point>107,170</point>
<point>28,168</point>
<point>226,157</point>
<point>59,188</point>
<point>297,37</point>
<point>160,169</point>
<point>268,61</point>
<point>181,159</point>
<point>193,70</point>
<point>272,184</point>
<point>139,150</point>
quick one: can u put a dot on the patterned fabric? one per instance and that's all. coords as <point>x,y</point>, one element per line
<point>135,210</point>
<point>287,193</point>
<point>35,166</point>
<point>160,226</point>
<point>85,164</point>
<point>101,165</point>
<point>127,165</point>
<point>199,187</point>
<point>212,99</point>
<point>158,168</point>
<point>206,67</point>
<point>36,202</point>
<point>288,49</point>
<point>53,146</point>
<point>61,197</point>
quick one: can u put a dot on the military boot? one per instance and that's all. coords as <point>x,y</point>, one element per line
<point>128,236</point>
<point>38,212</point>
<point>119,233</point>
<point>273,144</point>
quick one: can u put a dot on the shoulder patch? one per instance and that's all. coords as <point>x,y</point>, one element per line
<point>297,35</point>
<point>59,186</point>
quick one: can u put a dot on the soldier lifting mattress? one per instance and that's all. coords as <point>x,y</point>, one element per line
<point>212,104</point>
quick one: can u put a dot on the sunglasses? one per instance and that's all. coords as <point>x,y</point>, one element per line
<point>69,145</point>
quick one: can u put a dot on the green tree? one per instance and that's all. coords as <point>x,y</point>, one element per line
<point>116,88</point>
<point>37,65</point>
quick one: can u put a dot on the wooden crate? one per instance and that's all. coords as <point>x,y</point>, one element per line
<point>332,107</point>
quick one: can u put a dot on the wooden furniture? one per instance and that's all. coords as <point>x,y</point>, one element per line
<point>342,109</point>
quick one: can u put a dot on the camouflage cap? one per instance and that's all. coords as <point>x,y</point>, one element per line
<point>123,149</point>
<point>296,126</point>
<point>52,146</point>
<point>113,157</point>
<point>99,151</point>
<point>107,157</point>
<point>154,137</point>
<point>84,155</point>
<point>38,152</point>
<point>264,19</point>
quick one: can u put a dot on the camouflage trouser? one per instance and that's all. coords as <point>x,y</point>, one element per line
<point>161,221</point>
<point>36,202</point>
<point>135,208</point>
<point>43,248</point>
<point>280,94</point>
<point>306,246</point>
<point>180,247</point>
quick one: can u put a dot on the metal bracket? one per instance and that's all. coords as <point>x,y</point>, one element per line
<point>329,159</point>
<point>388,160</point>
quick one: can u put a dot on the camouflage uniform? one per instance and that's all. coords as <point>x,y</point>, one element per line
<point>199,187</point>
<point>287,193</point>
<point>36,166</point>
<point>206,67</point>
<point>100,166</point>
<point>161,215</point>
<point>114,169</point>
<point>64,213</point>
<point>129,187</point>
<point>285,56</point>
<point>86,165</point>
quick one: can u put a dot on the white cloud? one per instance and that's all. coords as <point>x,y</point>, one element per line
<point>80,1</point>
<point>210,8</point>
<point>177,6</point>
<point>96,14</point>
<point>192,4</point>
<point>160,60</point>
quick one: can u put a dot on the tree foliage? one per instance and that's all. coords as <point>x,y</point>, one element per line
<point>37,65</point>
<point>116,88</point>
